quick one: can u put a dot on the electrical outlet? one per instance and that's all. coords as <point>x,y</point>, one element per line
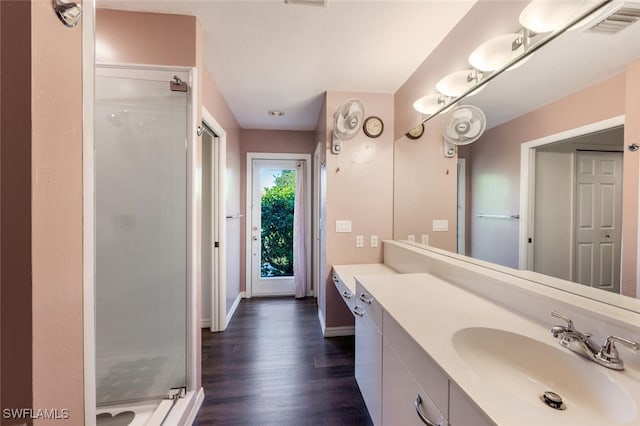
<point>424,239</point>
<point>359,241</point>
<point>412,238</point>
<point>374,241</point>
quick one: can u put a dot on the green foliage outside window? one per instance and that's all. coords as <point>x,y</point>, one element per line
<point>277,226</point>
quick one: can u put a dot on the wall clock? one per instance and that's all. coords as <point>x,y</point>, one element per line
<point>416,132</point>
<point>373,126</point>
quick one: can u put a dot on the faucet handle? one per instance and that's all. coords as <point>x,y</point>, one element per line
<point>569,326</point>
<point>609,349</point>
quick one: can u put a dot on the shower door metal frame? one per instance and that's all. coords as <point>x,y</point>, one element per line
<point>193,226</point>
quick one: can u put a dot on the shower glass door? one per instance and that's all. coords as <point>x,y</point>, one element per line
<point>141,235</point>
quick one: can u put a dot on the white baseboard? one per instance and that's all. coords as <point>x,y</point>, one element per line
<point>348,330</point>
<point>233,309</point>
<point>196,407</point>
<point>323,324</point>
<point>205,323</point>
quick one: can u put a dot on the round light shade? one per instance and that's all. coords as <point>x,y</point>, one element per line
<point>542,16</point>
<point>456,83</point>
<point>430,104</point>
<point>496,53</point>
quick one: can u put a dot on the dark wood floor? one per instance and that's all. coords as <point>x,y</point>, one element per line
<point>273,367</point>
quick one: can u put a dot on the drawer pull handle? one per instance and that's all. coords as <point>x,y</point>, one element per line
<point>425,420</point>
<point>335,279</point>
<point>358,311</point>
<point>346,294</point>
<point>365,299</point>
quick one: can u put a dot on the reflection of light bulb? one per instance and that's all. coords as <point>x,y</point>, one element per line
<point>496,53</point>
<point>456,83</point>
<point>430,104</point>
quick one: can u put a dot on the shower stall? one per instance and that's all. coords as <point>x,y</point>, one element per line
<point>144,288</point>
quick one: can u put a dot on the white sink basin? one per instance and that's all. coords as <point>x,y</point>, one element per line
<point>513,371</point>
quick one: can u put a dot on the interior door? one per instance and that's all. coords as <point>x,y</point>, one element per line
<point>598,219</point>
<point>273,198</point>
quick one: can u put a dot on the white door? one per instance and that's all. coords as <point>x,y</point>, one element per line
<point>272,202</point>
<point>598,219</point>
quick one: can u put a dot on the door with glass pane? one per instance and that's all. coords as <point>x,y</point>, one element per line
<point>273,200</point>
<point>140,234</point>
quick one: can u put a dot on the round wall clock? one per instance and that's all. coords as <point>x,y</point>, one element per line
<point>373,126</point>
<point>416,132</point>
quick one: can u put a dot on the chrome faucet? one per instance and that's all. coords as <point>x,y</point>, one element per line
<point>581,343</point>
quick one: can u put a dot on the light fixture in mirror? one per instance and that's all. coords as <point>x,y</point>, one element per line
<point>459,82</point>
<point>432,103</point>
<point>543,16</point>
<point>499,51</point>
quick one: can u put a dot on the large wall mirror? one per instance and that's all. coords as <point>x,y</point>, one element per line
<point>551,186</point>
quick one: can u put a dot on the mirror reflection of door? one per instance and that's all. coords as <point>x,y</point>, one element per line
<point>578,209</point>
<point>598,218</point>
<point>273,200</point>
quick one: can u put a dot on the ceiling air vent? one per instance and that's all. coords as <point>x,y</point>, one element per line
<point>616,19</point>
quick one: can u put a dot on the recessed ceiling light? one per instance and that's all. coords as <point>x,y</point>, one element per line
<point>276,113</point>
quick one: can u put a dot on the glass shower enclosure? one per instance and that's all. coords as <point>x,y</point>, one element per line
<point>141,235</point>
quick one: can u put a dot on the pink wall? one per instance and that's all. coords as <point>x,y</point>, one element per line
<point>630,214</point>
<point>274,141</point>
<point>425,188</point>
<point>56,193</point>
<point>145,38</point>
<point>16,207</point>
<point>495,164</point>
<point>360,189</point>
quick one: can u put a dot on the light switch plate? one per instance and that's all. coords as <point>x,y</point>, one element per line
<point>343,226</point>
<point>374,241</point>
<point>412,238</point>
<point>359,241</point>
<point>441,225</point>
<point>424,239</point>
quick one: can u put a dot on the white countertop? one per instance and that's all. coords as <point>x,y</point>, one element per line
<point>432,310</point>
<point>348,273</point>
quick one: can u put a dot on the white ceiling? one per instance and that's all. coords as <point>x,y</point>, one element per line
<point>270,55</point>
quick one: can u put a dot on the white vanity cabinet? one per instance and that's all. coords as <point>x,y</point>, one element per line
<point>463,411</point>
<point>368,356</point>
<point>346,293</point>
<point>409,374</point>
<point>403,399</point>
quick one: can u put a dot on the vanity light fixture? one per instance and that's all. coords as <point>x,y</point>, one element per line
<point>495,53</point>
<point>276,113</point>
<point>544,16</point>
<point>458,82</point>
<point>470,82</point>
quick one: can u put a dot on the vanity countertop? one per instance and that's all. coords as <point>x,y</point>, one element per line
<point>431,311</point>
<point>348,273</point>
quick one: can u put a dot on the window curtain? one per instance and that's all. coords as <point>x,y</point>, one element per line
<point>299,232</point>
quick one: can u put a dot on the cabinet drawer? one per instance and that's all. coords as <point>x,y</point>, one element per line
<point>464,412</point>
<point>426,372</point>
<point>400,395</point>
<point>370,306</point>
<point>347,296</point>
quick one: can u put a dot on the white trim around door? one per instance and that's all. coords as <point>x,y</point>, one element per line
<point>251,156</point>
<point>527,168</point>
<point>218,233</point>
